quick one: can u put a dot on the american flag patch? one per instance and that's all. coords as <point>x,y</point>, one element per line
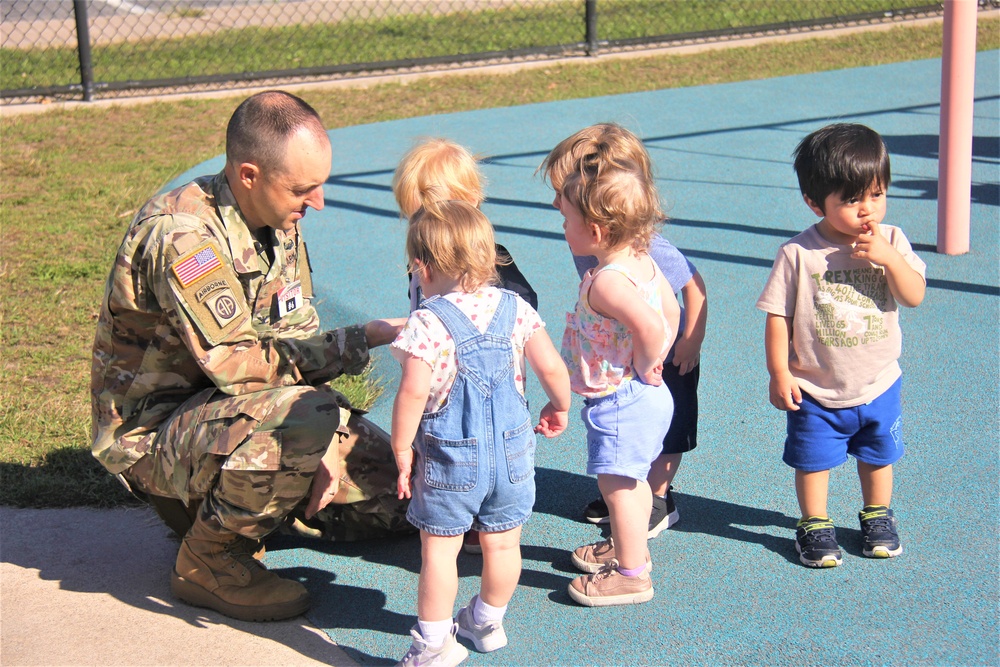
<point>191,268</point>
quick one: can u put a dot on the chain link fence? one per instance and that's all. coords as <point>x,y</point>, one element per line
<point>88,49</point>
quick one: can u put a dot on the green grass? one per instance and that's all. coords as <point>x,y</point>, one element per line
<point>407,37</point>
<point>70,180</point>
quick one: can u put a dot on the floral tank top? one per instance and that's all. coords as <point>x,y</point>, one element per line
<point>598,349</point>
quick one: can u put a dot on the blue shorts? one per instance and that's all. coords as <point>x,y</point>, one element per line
<point>820,438</point>
<point>463,484</point>
<point>625,430</point>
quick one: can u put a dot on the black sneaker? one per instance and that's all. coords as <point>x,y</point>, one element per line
<point>816,542</point>
<point>597,511</point>
<point>664,514</point>
<point>878,532</point>
<point>470,542</point>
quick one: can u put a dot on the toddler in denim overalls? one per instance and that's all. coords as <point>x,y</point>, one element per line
<point>438,169</point>
<point>462,427</point>
<point>475,456</point>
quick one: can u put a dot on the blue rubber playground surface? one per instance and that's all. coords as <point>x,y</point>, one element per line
<point>729,588</point>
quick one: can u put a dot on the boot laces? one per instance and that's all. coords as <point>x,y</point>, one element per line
<point>241,551</point>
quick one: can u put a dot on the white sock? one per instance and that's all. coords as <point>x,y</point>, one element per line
<point>484,613</point>
<point>435,632</point>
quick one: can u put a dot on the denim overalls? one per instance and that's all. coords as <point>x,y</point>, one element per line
<point>475,457</point>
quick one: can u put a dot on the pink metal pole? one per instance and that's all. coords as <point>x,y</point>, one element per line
<point>958,71</point>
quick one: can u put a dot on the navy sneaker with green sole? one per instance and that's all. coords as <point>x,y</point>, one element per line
<point>878,532</point>
<point>816,542</point>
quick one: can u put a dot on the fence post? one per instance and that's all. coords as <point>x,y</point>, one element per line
<point>83,49</point>
<point>591,20</point>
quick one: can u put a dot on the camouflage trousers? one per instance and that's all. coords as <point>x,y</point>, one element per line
<point>249,460</point>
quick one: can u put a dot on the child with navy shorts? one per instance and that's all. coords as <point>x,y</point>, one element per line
<point>615,343</point>
<point>461,425</point>
<point>833,341</point>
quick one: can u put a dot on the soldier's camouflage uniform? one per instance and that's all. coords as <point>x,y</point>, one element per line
<point>205,387</point>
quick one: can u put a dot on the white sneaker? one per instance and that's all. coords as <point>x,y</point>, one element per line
<point>450,654</point>
<point>487,637</point>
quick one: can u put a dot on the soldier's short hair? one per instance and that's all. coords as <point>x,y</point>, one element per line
<point>259,129</point>
<point>455,239</point>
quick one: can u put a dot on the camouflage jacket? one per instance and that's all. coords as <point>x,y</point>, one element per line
<point>194,302</point>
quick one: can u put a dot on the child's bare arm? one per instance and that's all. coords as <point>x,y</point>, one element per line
<point>783,389</point>
<point>907,286</point>
<point>613,295</point>
<point>671,312</point>
<point>408,407</point>
<point>687,349</point>
<point>548,366</point>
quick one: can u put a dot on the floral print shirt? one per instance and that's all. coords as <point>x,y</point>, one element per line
<point>598,349</point>
<point>425,337</point>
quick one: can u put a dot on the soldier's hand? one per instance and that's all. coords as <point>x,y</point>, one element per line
<point>383,332</point>
<point>325,484</point>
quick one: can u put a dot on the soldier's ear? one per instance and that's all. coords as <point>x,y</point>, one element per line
<point>248,175</point>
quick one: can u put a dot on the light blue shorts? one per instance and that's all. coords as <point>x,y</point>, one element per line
<point>625,430</point>
<point>820,438</point>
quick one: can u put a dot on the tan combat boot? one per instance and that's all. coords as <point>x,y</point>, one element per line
<point>216,569</point>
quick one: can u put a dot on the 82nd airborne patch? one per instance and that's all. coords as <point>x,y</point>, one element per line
<point>223,305</point>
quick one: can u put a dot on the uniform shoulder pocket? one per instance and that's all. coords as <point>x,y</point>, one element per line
<point>208,290</point>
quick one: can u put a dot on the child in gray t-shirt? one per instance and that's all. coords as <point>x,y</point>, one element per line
<point>832,337</point>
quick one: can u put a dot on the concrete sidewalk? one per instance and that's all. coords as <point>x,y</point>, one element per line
<point>91,587</point>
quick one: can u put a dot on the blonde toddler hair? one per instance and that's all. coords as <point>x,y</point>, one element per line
<point>605,171</point>
<point>455,239</point>
<point>609,140</point>
<point>436,170</point>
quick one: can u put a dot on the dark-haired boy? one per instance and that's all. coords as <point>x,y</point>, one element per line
<point>832,337</point>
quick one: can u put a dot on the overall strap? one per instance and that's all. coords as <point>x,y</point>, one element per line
<point>461,327</point>
<point>502,324</point>
<point>455,321</point>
